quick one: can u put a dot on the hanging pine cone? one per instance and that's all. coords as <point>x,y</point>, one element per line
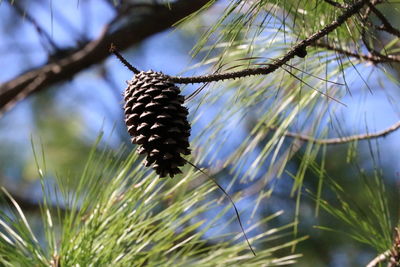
<point>157,121</point>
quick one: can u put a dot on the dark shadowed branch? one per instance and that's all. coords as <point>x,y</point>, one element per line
<point>386,25</point>
<point>159,18</point>
<point>335,4</point>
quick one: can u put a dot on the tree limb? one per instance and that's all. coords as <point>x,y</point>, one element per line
<point>386,25</point>
<point>347,139</point>
<point>367,57</point>
<point>379,259</point>
<point>349,12</point>
<point>335,4</point>
<point>42,33</point>
<point>160,18</point>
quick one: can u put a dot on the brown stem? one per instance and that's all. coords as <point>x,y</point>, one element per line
<point>335,4</point>
<point>347,139</point>
<point>158,18</point>
<point>25,15</point>
<point>371,58</point>
<point>113,49</point>
<point>379,259</point>
<point>34,85</point>
<point>386,25</point>
<point>350,11</point>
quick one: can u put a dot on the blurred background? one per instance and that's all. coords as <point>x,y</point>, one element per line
<point>66,114</point>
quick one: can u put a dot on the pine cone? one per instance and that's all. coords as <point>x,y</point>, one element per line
<point>157,121</point>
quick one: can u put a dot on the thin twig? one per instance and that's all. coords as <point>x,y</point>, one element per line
<point>347,139</point>
<point>335,4</point>
<point>370,8</point>
<point>372,58</point>
<point>394,260</point>
<point>386,25</point>
<point>352,9</point>
<point>35,25</point>
<point>379,259</point>
<point>391,255</point>
<point>386,58</point>
<point>113,49</point>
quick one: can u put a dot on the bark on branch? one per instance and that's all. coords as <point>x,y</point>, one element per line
<point>294,51</point>
<point>158,19</point>
<point>345,139</point>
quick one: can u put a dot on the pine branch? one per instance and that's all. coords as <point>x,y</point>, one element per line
<point>41,32</point>
<point>335,4</point>
<point>379,259</point>
<point>295,50</point>
<point>159,18</point>
<point>347,139</point>
<point>113,49</point>
<point>370,57</point>
<point>386,25</point>
<point>36,84</point>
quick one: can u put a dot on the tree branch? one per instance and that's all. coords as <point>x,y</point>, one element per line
<point>335,4</point>
<point>379,259</point>
<point>371,58</point>
<point>347,139</point>
<point>392,256</point>
<point>386,26</point>
<point>350,11</point>
<point>42,33</point>
<point>113,49</point>
<point>37,83</point>
<point>161,18</point>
